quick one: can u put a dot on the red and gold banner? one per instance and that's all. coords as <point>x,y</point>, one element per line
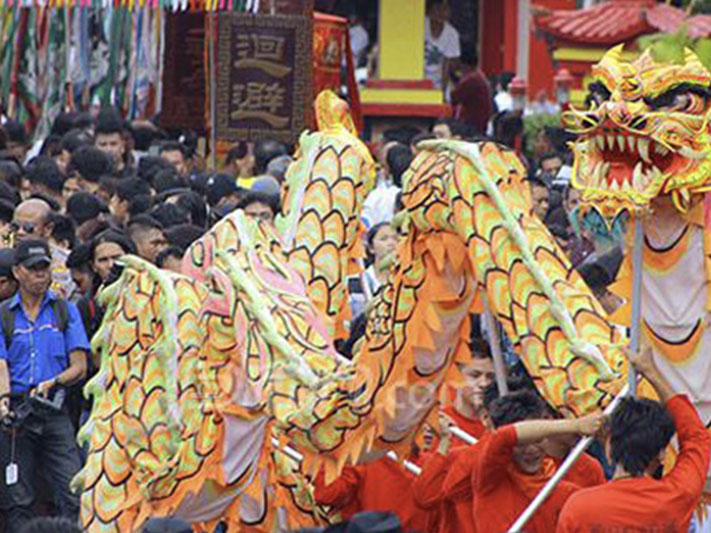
<point>263,76</point>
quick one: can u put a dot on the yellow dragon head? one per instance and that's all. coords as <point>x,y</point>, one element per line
<point>645,133</point>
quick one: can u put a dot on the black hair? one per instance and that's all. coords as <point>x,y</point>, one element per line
<point>558,230</point>
<point>144,135</point>
<point>109,121</point>
<point>128,188</point>
<point>238,151</point>
<point>505,78</point>
<point>63,229</point>
<point>90,163</point>
<point>46,524</point>
<point>469,56</point>
<point>480,348</point>
<point>80,256</point>
<point>184,235</point>
<point>63,123</point>
<point>16,132</point>
<point>457,128</point>
<point>43,170</point>
<point>507,125</point>
<point>373,231</point>
<point>73,139</point>
<point>170,215</point>
<point>11,172</point>
<point>193,203</point>
<point>170,251</point>
<point>50,146</point>
<point>252,197</point>
<point>149,165</point>
<point>172,146</point>
<point>83,121</point>
<point>114,236</point>
<point>639,430</point>
<point>549,155</point>
<point>7,210</point>
<point>9,193</point>
<point>398,159</point>
<point>265,150</point>
<point>166,179</point>
<point>403,134</point>
<point>142,223</point>
<point>515,407</point>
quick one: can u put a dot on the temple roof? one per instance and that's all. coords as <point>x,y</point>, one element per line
<point>619,20</point>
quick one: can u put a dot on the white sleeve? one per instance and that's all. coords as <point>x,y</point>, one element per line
<point>450,42</point>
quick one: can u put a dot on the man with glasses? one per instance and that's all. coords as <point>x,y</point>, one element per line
<point>31,219</point>
<point>43,349</point>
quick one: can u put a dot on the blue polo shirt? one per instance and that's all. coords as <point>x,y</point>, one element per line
<point>39,350</point>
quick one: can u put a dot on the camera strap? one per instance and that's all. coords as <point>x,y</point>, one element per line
<point>11,471</point>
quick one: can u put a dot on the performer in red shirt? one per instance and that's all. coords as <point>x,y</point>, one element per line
<point>467,412</point>
<point>382,485</point>
<point>637,499</point>
<point>512,467</point>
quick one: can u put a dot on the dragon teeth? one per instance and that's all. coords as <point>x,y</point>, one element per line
<point>643,147</point>
<point>611,142</point>
<point>638,182</point>
<point>600,140</point>
<point>621,143</point>
<point>614,186</point>
<point>631,143</point>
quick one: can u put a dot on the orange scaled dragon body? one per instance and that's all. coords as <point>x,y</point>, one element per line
<point>207,377</point>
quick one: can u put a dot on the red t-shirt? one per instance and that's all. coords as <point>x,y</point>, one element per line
<point>500,498</point>
<point>444,488</point>
<point>383,485</point>
<point>437,488</point>
<point>645,504</point>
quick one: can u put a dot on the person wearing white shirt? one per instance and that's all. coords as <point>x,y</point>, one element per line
<point>441,44</point>
<point>379,205</point>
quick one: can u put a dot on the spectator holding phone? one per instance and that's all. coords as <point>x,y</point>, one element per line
<point>43,348</point>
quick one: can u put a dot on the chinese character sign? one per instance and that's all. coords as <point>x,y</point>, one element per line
<point>263,80</point>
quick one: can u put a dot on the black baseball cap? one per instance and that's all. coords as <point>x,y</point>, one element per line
<point>32,252</point>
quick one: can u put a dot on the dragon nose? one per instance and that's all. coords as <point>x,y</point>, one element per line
<point>620,113</point>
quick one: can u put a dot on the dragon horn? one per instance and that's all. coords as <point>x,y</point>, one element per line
<point>613,55</point>
<point>692,60</point>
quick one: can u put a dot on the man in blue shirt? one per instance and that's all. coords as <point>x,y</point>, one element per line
<point>47,351</point>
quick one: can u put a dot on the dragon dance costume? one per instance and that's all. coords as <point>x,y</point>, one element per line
<point>203,372</point>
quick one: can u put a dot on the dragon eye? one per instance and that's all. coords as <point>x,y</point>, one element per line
<point>597,94</point>
<point>682,99</point>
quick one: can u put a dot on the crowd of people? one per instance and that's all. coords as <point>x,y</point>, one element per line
<point>74,203</point>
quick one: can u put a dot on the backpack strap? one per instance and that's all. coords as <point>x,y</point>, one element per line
<point>7,321</point>
<point>61,313</point>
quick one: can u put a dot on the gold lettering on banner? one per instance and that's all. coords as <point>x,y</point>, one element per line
<point>259,100</point>
<point>264,52</point>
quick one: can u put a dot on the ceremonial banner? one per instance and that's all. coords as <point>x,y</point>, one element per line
<point>264,76</point>
<point>184,76</point>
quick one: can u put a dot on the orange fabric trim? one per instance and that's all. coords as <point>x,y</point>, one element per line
<point>676,352</point>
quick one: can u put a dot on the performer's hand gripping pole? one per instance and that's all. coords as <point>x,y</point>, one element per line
<point>629,388</point>
<point>573,456</point>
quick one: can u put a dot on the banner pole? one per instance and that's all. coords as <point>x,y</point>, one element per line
<point>213,90</point>
<point>635,325</point>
